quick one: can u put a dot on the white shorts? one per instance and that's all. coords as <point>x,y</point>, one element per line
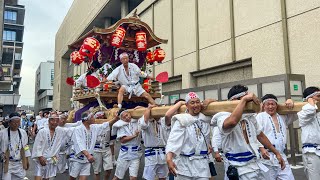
<point>104,159</point>
<point>10,176</point>
<point>123,165</point>
<point>47,171</point>
<point>15,171</point>
<point>77,169</point>
<point>62,163</point>
<point>275,172</point>
<point>138,90</point>
<point>311,164</point>
<point>159,170</point>
<point>255,175</point>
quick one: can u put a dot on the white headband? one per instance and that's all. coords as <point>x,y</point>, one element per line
<point>239,95</point>
<point>270,99</point>
<point>191,95</point>
<point>98,114</point>
<point>87,118</point>
<point>123,55</point>
<point>311,95</point>
<point>63,116</point>
<point>14,117</point>
<point>122,113</point>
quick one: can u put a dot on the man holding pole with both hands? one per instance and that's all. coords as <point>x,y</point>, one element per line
<point>187,146</point>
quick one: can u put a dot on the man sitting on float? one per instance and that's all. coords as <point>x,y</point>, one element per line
<point>128,75</point>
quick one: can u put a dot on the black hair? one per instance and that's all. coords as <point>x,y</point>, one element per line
<point>84,115</point>
<point>269,96</point>
<point>178,100</point>
<point>46,112</point>
<point>309,91</point>
<point>23,113</point>
<point>236,90</point>
<point>121,110</point>
<point>14,114</point>
<point>93,67</point>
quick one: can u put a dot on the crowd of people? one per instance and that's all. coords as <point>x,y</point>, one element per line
<point>176,146</point>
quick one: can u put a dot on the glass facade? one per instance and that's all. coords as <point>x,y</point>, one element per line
<point>10,17</point>
<point>52,76</point>
<point>9,35</point>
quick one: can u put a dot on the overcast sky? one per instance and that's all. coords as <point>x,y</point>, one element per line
<point>42,20</point>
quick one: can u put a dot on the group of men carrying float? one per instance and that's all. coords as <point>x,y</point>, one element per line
<point>250,145</point>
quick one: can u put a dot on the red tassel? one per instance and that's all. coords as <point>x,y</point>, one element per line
<point>92,81</point>
<point>70,81</point>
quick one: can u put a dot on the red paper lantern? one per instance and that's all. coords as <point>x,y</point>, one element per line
<point>159,55</point>
<point>92,81</point>
<point>70,81</point>
<point>76,57</point>
<point>118,36</point>
<point>91,44</point>
<point>150,57</point>
<point>141,41</point>
<point>88,55</point>
<point>146,85</point>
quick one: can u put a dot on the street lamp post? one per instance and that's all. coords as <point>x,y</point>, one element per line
<point>13,94</point>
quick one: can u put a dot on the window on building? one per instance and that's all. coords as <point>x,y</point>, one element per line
<point>52,76</point>
<point>6,71</point>
<point>7,56</point>
<point>9,35</point>
<point>10,16</point>
<point>17,56</point>
<point>50,98</point>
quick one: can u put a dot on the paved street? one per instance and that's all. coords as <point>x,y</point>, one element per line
<point>297,171</point>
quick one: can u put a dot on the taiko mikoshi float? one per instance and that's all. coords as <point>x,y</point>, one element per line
<point>103,47</point>
<point>135,37</point>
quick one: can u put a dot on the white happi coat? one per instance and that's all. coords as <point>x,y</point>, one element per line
<point>277,139</point>
<point>155,135</point>
<point>42,123</point>
<point>48,146</point>
<point>66,145</point>
<point>15,166</point>
<point>216,139</point>
<point>84,139</point>
<point>189,140</point>
<point>82,80</point>
<point>238,153</point>
<point>131,82</point>
<point>103,142</point>
<point>309,121</point>
<point>130,150</point>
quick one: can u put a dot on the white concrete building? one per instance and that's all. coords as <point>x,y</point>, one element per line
<point>44,86</point>
<point>268,45</point>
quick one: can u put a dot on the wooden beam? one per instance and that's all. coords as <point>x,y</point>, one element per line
<point>214,107</point>
<point>282,109</point>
